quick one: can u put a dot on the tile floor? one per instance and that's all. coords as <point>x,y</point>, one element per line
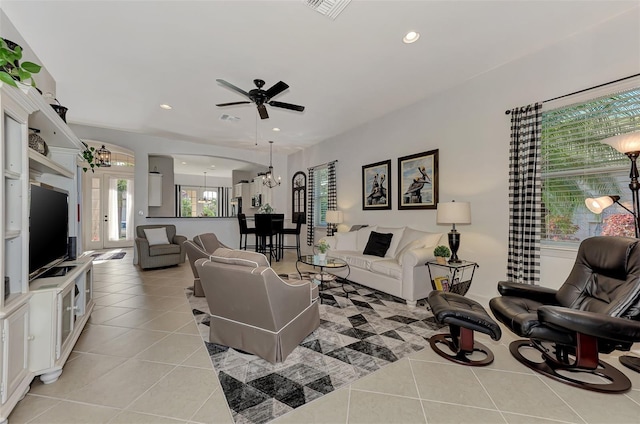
<point>141,360</point>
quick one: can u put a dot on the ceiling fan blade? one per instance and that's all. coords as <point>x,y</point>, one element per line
<point>276,89</point>
<point>286,106</point>
<point>262,110</point>
<point>233,103</point>
<point>233,87</point>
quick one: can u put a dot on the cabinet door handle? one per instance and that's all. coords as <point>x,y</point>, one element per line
<point>30,338</point>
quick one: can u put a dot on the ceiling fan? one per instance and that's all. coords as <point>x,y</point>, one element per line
<point>261,97</point>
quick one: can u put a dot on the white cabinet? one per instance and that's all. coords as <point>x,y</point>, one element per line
<point>60,309</point>
<point>155,189</point>
<point>21,108</point>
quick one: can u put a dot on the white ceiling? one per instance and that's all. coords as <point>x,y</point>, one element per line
<point>115,62</point>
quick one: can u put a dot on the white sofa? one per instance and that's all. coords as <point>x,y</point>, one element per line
<point>401,272</point>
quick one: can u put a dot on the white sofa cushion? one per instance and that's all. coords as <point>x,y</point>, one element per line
<point>355,259</point>
<point>363,237</point>
<point>389,267</point>
<point>347,241</point>
<point>395,240</point>
<point>156,236</point>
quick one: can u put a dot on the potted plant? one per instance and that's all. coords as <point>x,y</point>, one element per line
<point>441,253</point>
<point>266,208</point>
<point>11,70</point>
<point>322,246</point>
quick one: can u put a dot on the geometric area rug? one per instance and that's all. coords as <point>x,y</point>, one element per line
<point>357,336</point>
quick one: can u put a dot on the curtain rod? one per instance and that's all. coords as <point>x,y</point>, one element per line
<point>508,111</point>
<point>323,164</point>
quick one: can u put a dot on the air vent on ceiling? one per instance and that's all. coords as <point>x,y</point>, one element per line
<point>330,8</point>
<point>225,117</point>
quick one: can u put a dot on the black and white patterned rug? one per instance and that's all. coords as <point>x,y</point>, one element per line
<point>357,336</point>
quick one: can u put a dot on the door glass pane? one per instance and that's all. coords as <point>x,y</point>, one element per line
<point>120,219</point>
<point>95,209</point>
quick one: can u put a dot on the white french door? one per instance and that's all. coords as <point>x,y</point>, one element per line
<point>108,211</point>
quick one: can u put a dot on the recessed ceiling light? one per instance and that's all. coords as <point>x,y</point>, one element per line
<point>410,37</point>
<point>166,106</point>
<point>213,166</point>
<point>276,129</point>
<point>184,163</point>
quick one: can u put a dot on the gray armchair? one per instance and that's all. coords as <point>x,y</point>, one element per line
<point>254,310</point>
<point>159,255</point>
<point>202,246</point>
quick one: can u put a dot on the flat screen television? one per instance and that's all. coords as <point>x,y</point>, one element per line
<point>48,228</point>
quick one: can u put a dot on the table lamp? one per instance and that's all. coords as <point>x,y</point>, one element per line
<point>454,213</point>
<point>333,218</point>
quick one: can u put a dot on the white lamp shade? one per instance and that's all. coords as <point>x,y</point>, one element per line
<point>598,204</point>
<point>334,217</point>
<point>454,213</point>
<point>625,143</point>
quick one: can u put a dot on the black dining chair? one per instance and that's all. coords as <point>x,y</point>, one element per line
<point>245,231</point>
<point>265,233</point>
<point>295,231</point>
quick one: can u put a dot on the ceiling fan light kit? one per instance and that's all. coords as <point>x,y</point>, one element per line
<point>261,97</point>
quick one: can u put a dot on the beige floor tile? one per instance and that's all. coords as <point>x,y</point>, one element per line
<point>121,386</point>
<point>517,396</point>
<point>367,408</point>
<point>329,409</point>
<point>130,344</point>
<point>199,359</point>
<point>30,407</point>
<point>634,395</point>
<point>169,321</point>
<point>173,349</point>
<point>76,413</point>
<point>128,417</point>
<point>449,383</point>
<point>395,379</point>
<point>528,419</point>
<point>112,299</point>
<point>152,302</point>
<point>619,407</point>
<point>141,289</point>
<point>427,354</point>
<point>134,318</point>
<point>94,335</point>
<point>185,307</point>
<point>76,374</point>
<point>443,413</point>
<point>107,313</point>
<point>178,394</point>
<point>214,411</point>
<point>189,328</point>
<point>114,288</point>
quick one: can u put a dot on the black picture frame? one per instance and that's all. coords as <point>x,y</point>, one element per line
<point>418,181</point>
<point>376,186</point>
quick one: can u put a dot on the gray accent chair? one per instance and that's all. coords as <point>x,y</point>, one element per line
<point>160,255</point>
<point>252,308</point>
<point>202,246</point>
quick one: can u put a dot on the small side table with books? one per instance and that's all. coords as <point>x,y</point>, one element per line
<point>452,277</point>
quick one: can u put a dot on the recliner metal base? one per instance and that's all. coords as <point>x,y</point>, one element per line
<point>632,362</point>
<point>618,382</point>
<point>462,348</point>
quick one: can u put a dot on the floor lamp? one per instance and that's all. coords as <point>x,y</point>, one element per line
<point>629,144</point>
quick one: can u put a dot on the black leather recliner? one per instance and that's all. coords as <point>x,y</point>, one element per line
<point>596,310</point>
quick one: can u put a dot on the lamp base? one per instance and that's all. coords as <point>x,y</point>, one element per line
<point>454,244</point>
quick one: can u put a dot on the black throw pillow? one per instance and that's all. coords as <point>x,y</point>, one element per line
<point>378,244</point>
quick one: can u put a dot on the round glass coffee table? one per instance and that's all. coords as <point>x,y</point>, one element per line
<point>326,265</point>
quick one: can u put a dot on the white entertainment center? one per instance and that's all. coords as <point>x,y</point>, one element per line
<point>41,320</point>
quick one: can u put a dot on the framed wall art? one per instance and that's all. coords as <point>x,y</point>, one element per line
<point>418,181</point>
<point>376,186</point>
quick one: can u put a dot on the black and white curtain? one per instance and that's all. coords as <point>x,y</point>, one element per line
<point>332,195</point>
<point>310,199</point>
<point>525,200</point>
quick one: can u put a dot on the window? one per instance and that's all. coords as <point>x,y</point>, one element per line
<point>321,195</point>
<point>194,201</point>
<point>576,165</point>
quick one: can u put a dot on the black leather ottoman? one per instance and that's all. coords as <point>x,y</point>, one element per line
<point>464,316</point>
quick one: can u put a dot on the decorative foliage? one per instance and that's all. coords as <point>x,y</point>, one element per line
<point>11,70</point>
<point>442,251</point>
<point>323,246</point>
<point>88,154</point>
<point>266,208</point>
<point>619,224</point>
<point>560,228</point>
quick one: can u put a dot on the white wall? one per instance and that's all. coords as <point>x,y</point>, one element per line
<point>469,127</point>
<point>144,145</point>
